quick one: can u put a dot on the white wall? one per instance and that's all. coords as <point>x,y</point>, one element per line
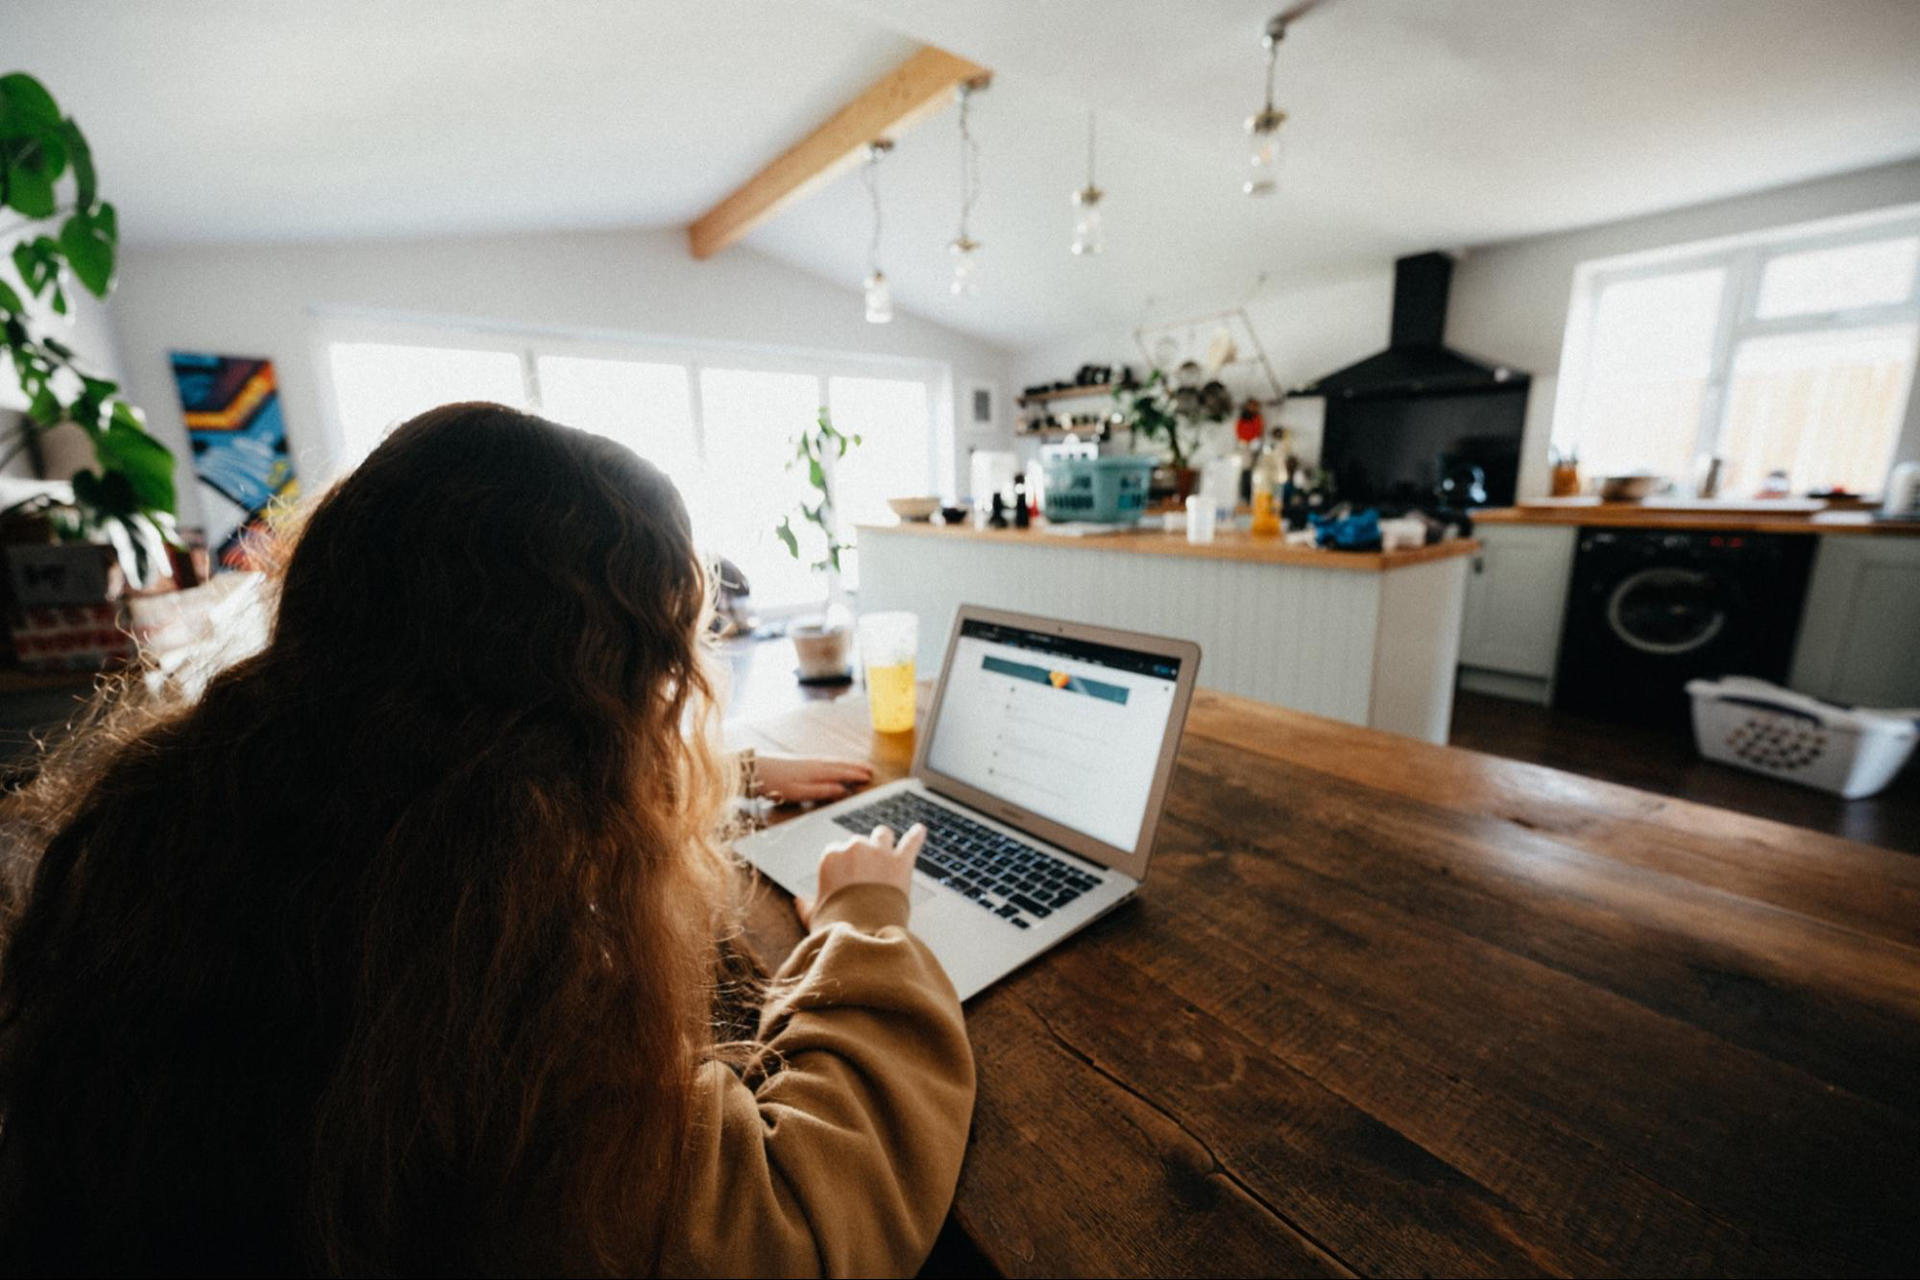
<point>266,300</point>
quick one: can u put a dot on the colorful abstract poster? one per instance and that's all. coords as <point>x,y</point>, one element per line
<point>231,405</point>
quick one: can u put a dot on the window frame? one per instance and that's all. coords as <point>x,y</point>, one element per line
<point>340,326</point>
<point>1744,259</point>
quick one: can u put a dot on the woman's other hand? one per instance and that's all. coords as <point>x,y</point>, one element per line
<point>878,859</point>
<point>798,779</point>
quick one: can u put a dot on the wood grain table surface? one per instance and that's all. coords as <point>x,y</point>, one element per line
<point>1384,1007</point>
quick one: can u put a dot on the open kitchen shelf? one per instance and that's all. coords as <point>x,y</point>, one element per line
<point>1068,393</point>
<point>1061,433</point>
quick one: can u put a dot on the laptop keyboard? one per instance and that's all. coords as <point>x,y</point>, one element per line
<point>994,871</point>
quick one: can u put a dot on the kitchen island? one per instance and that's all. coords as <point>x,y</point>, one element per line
<point>1370,638</point>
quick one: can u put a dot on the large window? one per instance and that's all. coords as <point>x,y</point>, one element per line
<point>720,425</point>
<point>891,417</point>
<point>376,384</point>
<point>1790,355</point>
<point>747,477</point>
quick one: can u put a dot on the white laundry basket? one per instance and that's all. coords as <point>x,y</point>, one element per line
<point>1751,724</point>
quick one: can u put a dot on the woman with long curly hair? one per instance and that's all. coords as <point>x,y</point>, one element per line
<point>404,947</point>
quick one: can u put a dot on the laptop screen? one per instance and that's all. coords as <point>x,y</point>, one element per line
<point>1066,729</point>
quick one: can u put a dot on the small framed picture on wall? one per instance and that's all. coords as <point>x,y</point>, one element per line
<point>982,409</point>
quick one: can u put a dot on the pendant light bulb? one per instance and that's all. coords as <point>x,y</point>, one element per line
<point>1263,153</point>
<point>966,267</point>
<point>1089,237</point>
<point>877,293</point>
<point>879,299</point>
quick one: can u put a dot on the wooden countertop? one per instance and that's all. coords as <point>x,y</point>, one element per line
<point>1753,517</point>
<point>1228,544</point>
<point>1390,1008</point>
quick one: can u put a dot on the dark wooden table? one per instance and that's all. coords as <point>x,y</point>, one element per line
<point>1391,1008</point>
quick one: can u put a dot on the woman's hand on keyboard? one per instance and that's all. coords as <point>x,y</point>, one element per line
<point>877,859</point>
<point>799,779</point>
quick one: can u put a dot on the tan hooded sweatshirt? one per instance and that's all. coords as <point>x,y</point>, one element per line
<point>842,1158</point>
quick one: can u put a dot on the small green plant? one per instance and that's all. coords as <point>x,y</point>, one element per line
<point>1156,411</point>
<point>812,448</point>
<point>65,234</point>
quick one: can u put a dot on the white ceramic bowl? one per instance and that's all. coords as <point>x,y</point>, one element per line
<point>918,509</point>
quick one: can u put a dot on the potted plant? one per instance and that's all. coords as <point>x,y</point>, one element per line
<point>821,644</point>
<point>65,234</point>
<point>1173,418</point>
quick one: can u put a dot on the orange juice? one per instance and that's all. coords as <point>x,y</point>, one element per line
<point>888,643</point>
<point>890,697</point>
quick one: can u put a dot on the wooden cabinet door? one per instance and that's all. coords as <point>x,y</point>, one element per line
<point>1517,598</point>
<point>1860,633</point>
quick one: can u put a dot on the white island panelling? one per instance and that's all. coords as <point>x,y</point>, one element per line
<point>1371,647</point>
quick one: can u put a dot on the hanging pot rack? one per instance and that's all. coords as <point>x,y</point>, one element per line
<point>1237,322</point>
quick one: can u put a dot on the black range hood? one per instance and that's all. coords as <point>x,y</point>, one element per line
<point>1416,362</point>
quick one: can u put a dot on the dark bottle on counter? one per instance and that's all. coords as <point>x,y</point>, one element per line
<point>997,519</point>
<point>1022,509</point>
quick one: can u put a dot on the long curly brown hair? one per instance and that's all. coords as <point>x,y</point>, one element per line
<point>395,949</point>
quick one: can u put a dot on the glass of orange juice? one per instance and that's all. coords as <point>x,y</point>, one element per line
<point>887,645</point>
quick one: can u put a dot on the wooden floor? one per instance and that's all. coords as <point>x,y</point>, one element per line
<point>1666,762</point>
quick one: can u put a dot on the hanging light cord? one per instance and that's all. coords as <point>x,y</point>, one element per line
<point>871,175</point>
<point>969,164</point>
<point>1272,39</point>
<point>1090,182</point>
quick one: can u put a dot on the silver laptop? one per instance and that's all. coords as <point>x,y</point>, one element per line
<point>1041,770</point>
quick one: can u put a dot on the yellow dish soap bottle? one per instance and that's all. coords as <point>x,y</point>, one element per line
<point>1269,476</point>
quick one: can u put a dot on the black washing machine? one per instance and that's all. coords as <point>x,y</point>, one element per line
<point>1649,610</point>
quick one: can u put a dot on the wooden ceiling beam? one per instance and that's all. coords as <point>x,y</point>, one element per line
<point>897,101</point>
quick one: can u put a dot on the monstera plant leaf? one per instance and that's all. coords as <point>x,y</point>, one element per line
<point>112,511</point>
<point>47,176</point>
<point>88,239</point>
<point>126,448</point>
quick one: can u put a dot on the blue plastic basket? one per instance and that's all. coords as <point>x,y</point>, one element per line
<point>1102,490</point>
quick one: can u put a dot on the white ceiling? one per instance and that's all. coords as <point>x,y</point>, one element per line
<point>236,119</point>
<point>1415,124</point>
